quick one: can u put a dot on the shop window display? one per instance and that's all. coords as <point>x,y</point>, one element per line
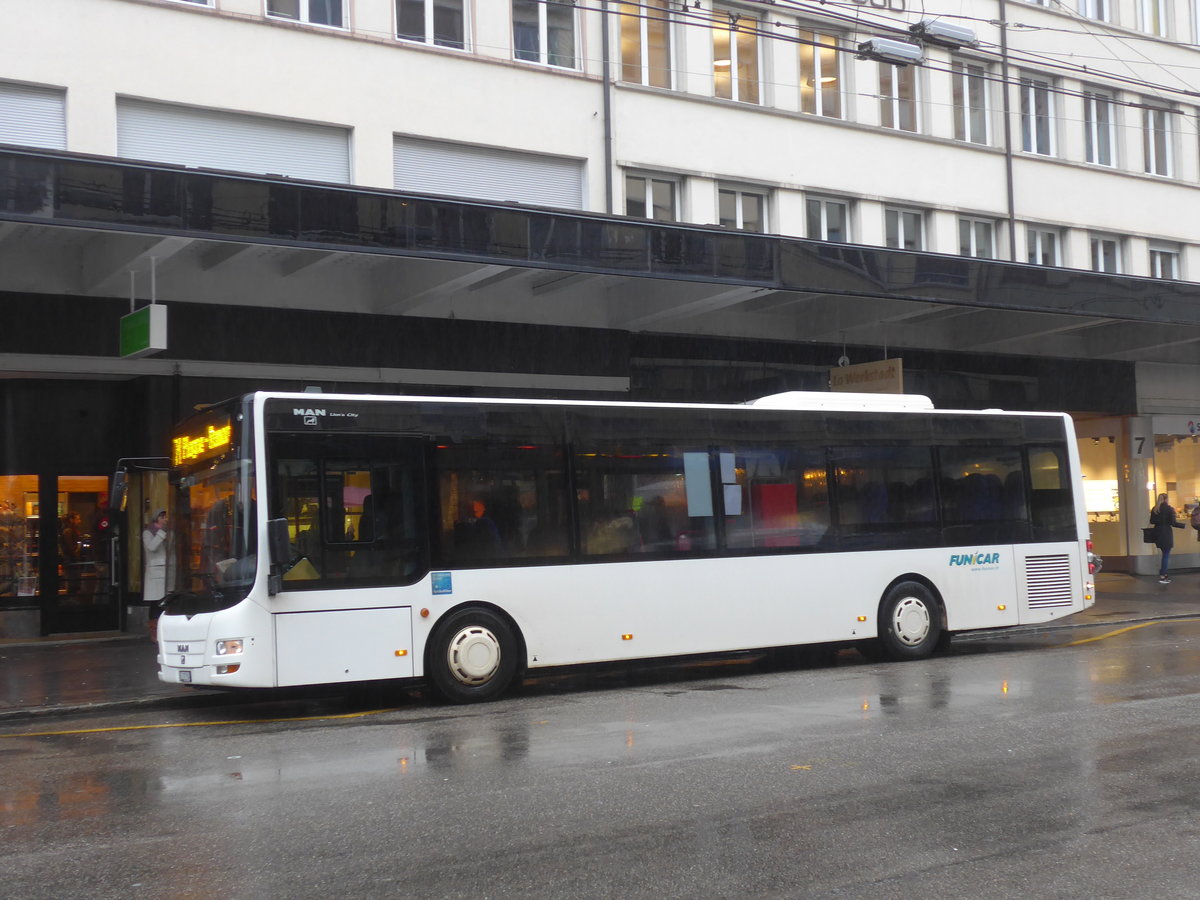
<point>18,539</point>
<point>1101,492</point>
<point>1176,473</point>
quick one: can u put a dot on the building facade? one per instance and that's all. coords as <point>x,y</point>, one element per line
<point>882,143</point>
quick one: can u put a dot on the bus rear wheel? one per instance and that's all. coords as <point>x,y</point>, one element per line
<point>910,622</point>
<point>472,656</point>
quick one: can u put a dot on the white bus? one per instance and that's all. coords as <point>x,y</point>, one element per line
<point>324,538</point>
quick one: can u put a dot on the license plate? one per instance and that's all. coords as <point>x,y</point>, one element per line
<point>185,676</point>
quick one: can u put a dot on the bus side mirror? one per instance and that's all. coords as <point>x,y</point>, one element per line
<point>278,542</point>
<point>279,548</point>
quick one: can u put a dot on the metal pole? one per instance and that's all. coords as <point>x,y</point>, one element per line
<point>1008,148</point>
<point>608,134</point>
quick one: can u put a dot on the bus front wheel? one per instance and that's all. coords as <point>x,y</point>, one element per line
<point>910,622</point>
<point>472,656</point>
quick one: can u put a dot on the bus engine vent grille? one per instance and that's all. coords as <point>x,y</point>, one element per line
<point>1048,581</point>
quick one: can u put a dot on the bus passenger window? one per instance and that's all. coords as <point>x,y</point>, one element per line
<point>500,501</point>
<point>643,499</point>
<point>784,499</point>
<point>982,492</point>
<point>883,489</point>
<point>1050,498</point>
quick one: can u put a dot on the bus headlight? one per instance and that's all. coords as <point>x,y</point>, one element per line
<point>229,647</point>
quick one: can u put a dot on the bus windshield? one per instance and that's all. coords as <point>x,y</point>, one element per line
<point>214,533</point>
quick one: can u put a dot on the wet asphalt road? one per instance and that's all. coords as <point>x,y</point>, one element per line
<point>1012,767</point>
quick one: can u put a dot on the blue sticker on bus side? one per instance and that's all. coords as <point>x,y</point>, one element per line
<point>442,583</point>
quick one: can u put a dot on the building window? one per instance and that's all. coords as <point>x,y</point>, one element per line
<point>977,237</point>
<point>439,22</point>
<point>1042,246</point>
<point>904,229</point>
<point>311,12</point>
<point>1152,17</point>
<point>1099,124</point>
<point>1106,254</point>
<point>970,102</point>
<point>1095,9</point>
<point>735,57</point>
<point>1164,261</point>
<point>646,42</point>
<point>820,75</point>
<point>648,197</point>
<point>898,97</point>
<point>746,210</point>
<point>1037,116</point>
<point>1156,140</point>
<point>828,220</point>
<point>544,32</point>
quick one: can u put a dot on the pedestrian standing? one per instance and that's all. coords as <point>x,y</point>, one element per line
<point>1162,517</point>
<point>154,579</point>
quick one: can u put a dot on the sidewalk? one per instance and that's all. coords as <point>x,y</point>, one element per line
<point>78,673</point>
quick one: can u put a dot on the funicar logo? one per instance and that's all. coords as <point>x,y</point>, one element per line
<point>974,559</point>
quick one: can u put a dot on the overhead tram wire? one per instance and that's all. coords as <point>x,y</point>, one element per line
<point>704,19</point>
<point>1097,36</point>
<point>691,16</point>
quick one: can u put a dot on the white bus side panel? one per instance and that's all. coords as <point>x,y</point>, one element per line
<point>571,614</point>
<point>343,645</point>
<point>581,613</point>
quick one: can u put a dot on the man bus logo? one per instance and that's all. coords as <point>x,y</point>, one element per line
<point>974,559</point>
<point>310,416</point>
<point>182,648</point>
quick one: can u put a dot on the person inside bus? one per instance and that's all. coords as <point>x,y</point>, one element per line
<point>476,535</point>
<point>1162,517</point>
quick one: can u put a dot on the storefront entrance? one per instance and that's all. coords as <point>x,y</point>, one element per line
<point>55,565</point>
<point>83,599</point>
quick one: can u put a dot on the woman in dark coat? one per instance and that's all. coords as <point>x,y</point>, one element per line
<point>1162,517</point>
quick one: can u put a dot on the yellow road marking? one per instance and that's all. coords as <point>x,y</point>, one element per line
<point>801,768</point>
<point>357,715</point>
<point>1109,634</point>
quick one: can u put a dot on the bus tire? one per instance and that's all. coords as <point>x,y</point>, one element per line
<point>910,622</point>
<point>472,656</point>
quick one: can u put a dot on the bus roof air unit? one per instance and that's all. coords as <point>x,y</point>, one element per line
<point>841,400</point>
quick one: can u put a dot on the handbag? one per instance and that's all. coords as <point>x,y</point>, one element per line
<point>1148,534</point>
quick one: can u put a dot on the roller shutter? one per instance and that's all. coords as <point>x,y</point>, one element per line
<point>33,116</point>
<point>487,173</point>
<point>236,142</point>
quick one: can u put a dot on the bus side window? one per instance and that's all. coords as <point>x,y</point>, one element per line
<point>354,509</point>
<point>500,500</point>
<point>886,492</point>
<point>636,498</point>
<point>982,493</point>
<point>1050,497</point>
<point>784,499</point>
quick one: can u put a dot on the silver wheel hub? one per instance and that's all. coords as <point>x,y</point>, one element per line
<point>911,621</point>
<point>473,655</point>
